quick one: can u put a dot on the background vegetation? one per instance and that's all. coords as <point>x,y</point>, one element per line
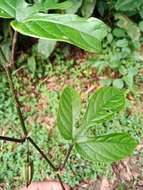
<point>40,75</point>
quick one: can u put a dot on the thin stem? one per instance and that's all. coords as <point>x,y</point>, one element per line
<point>14,41</point>
<point>46,158</point>
<point>4,138</point>
<point>67,157</point>
<point>11,84</point>
<point>17,103</point>
<point>42,153</point>
<point>60,180</point>
<point>7,68</point>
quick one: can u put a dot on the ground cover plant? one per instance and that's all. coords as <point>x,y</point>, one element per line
<point>102,106</point>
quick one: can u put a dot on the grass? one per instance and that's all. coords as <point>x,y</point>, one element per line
<point>39,96</point>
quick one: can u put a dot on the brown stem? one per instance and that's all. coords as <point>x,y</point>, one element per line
<point>14,41</point>
<point>49,162</point>
<point>4,138</point>
<point>11,84</point>
<point>60,180</point>
<point>10,64</point>
<point>42,153</point>
<point>67,157</point>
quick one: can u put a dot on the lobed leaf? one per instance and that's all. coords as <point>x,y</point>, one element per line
<point>107,148</point>
<point>68,113</point>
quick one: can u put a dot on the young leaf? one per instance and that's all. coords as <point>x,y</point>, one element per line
<point>103,105</point>
<point>68,113</point>
<point>84,33</point>
<point>7,8</point>
<point>107,148</point>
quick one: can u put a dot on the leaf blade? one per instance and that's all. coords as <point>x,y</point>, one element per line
<point>7,8</point>
<point>103,105</point>
<point>68,113</point>
<point>107,148</point>
<point>84,33</point>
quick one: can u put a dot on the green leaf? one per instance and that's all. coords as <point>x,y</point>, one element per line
<point>128,5</point>
<point>88,7</point>
<point>46,47</point>
<point>103,105</point>
<point>21,9</point>
<point>84,33</point>
<point>7,8</point>
<point>68,113</point>
<point>130,27</point>
<point>107,148</point>
<point>119,33</point>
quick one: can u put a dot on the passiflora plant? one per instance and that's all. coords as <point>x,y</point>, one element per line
<point>102,106</point>
<point>33,20</point>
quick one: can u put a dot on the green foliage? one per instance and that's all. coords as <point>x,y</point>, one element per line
<point>121,56</point>
<point>102,106</point>
<point>84,33</point>
<point>130,6</point>
<point>78,169</point>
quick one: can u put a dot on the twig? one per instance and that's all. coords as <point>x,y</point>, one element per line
<point>42,153</point>
<point>4,138</point>
<point>14,41</point>
<point>11,84</point>
<point>67,157</point>
<point>49,162</point>
<point>10,64</point>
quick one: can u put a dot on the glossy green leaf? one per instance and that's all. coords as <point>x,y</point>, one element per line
<point>68,113</point>
<point>103,105</point>
<point>88,7</point>
<point>7,8</point>
<point>107,148</point>
<point>84,33</point>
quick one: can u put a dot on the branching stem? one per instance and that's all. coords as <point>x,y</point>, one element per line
<point>7,67</point>
<point>4,138</point>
